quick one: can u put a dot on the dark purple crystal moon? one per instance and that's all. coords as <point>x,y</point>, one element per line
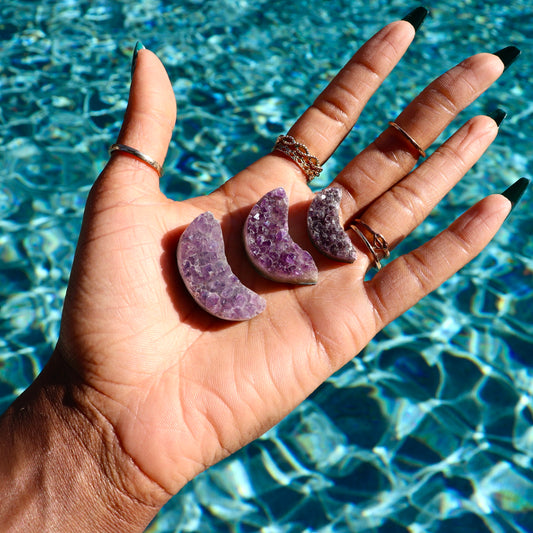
<point>324,227</point>
<point>207,275</point>
<point>269,245</point>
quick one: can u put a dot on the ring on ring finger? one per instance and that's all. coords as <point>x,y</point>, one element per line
<point>375,242</point>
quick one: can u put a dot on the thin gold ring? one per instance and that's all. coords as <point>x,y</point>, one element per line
<point>409,138</point>
<point>137,154</point>
<point>375,242</point>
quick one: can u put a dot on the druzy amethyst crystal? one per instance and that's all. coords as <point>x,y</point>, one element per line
<point>269,245</point>
<point>324,227</point>
<point>207,275</point>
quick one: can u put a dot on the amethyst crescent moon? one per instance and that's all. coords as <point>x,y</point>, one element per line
<point>207,275</point>
<point>269,245</point>
<point>324,227</point>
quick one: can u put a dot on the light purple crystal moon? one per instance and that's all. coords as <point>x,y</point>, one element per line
<point>269,245</point>
<point>324,227</point>
<point>207,275</point>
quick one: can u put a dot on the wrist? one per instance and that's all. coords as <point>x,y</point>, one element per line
<point>62,467</point>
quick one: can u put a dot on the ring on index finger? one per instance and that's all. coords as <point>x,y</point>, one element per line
<point>309,164</point>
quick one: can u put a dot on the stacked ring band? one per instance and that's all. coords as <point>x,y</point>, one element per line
<point>137,154</point>
<point>299,153</point>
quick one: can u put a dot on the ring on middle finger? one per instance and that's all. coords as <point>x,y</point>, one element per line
<point>417,147</point>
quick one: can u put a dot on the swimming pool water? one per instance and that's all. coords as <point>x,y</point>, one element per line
<point>430,428</point>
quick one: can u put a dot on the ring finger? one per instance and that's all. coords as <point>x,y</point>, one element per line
<point>404,206</point>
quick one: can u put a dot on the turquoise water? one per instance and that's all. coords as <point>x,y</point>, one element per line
<point>430,428</point>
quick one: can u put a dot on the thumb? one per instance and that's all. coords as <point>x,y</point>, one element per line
<point>147,126</point>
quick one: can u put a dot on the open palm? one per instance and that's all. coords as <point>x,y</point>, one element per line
<point>182,389</point>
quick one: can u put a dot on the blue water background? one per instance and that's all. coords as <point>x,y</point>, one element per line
<point>430,428</point>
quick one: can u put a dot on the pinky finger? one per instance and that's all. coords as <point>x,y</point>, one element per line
<point>407,279</point>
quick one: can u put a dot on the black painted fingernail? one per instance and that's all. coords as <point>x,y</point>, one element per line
<point>138,46</point>
<point>497,115</point>
<point>516,191</point>
<point>416,17</point>
<point>508,55</point>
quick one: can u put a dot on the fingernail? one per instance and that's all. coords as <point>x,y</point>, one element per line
<point>516,191</point>
<point>138,46</point>
<point>416,17</point>
<point>508,55</point>
<point>497,115</point>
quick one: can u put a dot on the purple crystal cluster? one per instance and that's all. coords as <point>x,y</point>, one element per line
<point>324,227</point>
<point>269,245</point>
<point>207,275</point>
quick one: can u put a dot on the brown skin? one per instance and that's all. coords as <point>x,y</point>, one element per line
<point>145,390</point>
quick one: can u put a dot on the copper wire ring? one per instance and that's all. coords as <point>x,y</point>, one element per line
<point>299,153</point>
<point>418,148</point>
<point>137,154</point>
<point>375,242</point>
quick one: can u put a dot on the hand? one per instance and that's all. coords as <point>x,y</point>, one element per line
<point>171,390</point>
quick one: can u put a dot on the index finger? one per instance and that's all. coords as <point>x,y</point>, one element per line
<point>323,126</point>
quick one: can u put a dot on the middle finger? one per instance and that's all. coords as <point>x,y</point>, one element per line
<point>391,156</point>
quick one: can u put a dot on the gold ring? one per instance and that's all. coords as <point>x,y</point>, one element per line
<point>299,153</point>
<point>409,138</point>
<point>375,242</point>
<point>137,154</point>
